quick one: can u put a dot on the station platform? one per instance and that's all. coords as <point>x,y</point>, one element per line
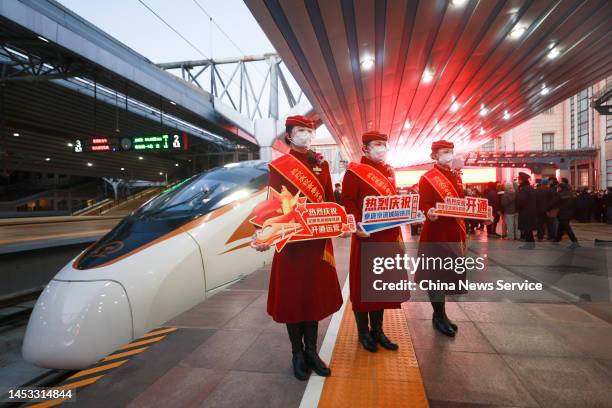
<point>227,352</point>
<point>25,234</point>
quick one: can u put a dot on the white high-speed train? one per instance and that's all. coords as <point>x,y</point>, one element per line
<point>170,254</point>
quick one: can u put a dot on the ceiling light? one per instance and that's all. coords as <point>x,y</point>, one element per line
<point>553,53</point>
<point>367,63</point>
<point>544,90</point>
<point>437,127</point>
<point>16,134</point>
<point>89,164</point>
<point>172,102</point>
<point>427,76</point>
<point>482,131</point>
<point>176,165</point>
<point>407,124</point>
<point>506,115</point>
<point>483,111</point>
<point>517,32</point>
<point>40,37</point>
<point>140,157</point>
<point>47,159</point>
<point>123,168</point>
<point>458,2</point>
<point>160,173</point>
<point>70,144</point>
<point>455,107</point>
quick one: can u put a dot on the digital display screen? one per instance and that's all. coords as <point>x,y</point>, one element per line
<point>131,143</point>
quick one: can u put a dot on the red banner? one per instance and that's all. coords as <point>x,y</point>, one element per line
<point>443,187</point>
<point>469,207</point>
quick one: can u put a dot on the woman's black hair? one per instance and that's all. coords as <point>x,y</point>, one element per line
<point>288,129</point>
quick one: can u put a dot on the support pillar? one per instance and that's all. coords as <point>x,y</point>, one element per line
<point>265,133</point>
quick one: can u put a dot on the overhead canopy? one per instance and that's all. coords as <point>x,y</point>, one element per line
<point>465,71</point>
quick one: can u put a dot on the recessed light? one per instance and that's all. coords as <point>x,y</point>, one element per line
<point>458,2</point>
<point>123,168</point>
<point>172,102</point>
<point>176,165</point>
<point>427,76</point>
<point>367,63</point>
<point>70,144</point>
<point>517,32</point>
<point>506,115</point>
<point>160,173</point>
<point>89,164</point>
<point>544,90</point>
<point>553,53</point>
<point>47,159</point>
<point>40,37</point>
<point>16,134</point>
<point>140,157</point>
<point>483,111</point>
<point>407,124</point>
<point>455,107</point>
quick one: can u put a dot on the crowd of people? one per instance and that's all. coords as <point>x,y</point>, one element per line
<point>545,209</point>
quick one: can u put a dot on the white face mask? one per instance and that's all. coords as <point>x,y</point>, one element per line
<point>302,138</point>
<point>456,163</point>
<point>378,153</point>
<point>445,159</point>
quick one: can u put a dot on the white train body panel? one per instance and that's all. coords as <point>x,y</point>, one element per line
<point>88,311</point>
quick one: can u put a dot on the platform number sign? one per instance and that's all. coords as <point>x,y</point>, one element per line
<point>163,142</point>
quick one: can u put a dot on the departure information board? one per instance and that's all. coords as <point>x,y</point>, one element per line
<point>131,143</point>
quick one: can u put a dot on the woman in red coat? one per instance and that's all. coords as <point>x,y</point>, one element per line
<point>371,177</point>
<point>303,285</point>
<point>441,237</point>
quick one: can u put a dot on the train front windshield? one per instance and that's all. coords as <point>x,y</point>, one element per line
<point>208,191</point>
<point>176,206</point>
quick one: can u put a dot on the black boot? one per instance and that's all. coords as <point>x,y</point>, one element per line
<point>450,323</point>
<point>376,321</point>
<point>296,333</point>
<point>364,332</point>
<point>310,350</point>
<point>439,322</point>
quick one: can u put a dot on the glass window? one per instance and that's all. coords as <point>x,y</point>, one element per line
<point>549,111</point>
<point>548,141</point>
<point>583,119</point>
<point>488,147</point>
<point>572,123</point>
<point>194,193</point>
<point>609,173</point>
<point>583,177</point>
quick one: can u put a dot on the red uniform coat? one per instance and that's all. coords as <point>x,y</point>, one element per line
<point>354,191</point>
<point>445,231</point>
<point>303,286</point>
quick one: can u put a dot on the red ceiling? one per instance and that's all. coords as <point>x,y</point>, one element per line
<point>467,48</point>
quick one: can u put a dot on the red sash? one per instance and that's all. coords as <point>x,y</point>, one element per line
<point>444,188</point>
<point>300,176</point>
<point>295,172</point>
<point>373,178</point>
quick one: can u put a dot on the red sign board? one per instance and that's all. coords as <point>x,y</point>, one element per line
<point>469,207</point>
<point>285,217</point>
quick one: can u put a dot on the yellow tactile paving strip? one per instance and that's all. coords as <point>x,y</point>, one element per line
<point>382,379</point>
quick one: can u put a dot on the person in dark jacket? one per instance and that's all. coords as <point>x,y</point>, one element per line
<point>607,202</point>
<point>566,212</point>
<point>337,193</point>
<point>543,201</point>
<point>493,198</point>
<point>526,203</point>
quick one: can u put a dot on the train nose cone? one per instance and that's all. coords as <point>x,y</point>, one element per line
<point>74,324</point>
